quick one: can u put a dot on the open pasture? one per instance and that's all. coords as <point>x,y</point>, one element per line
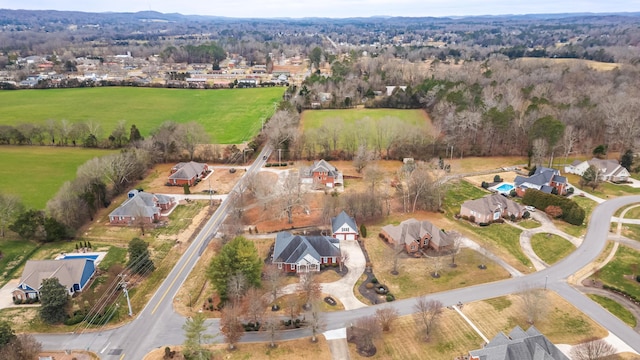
<point>229,116</point>
<point>35,173</point>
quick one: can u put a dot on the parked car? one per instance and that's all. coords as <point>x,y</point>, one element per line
<point>264,157</point>
<point>530,208</point>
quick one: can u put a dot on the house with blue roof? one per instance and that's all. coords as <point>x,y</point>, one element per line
<point>344,227</point>
<point>301,254</point>
<point>73,274</point>
<point>543,179</point>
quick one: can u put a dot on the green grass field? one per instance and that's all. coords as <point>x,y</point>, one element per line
<point>615,308</point>
<point>617,273</point>
<point>551,249</point>
<point>229,116</point>
<point>35,173</point>
<point>313,119</point>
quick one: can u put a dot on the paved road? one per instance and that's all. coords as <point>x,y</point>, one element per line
<point>157,325</point>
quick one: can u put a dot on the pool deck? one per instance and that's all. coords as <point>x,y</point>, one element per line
<point>99,256</point>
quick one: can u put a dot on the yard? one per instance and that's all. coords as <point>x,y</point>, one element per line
<point>604,190</point>
<point>615,308</point>
<point>229,116</point>
<point>451,337</point>
<point>298,349</point>
<point>621,271</point>
<point>35,173</point>
<point>551,248</point>
<point>14,254</point>
<point>562,323</point>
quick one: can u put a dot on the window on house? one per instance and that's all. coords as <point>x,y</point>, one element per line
<point>293,266</point>
<point>345,229</point>
<point>279,265</point>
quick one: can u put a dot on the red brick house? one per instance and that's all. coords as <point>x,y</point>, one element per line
<point>322,173</point>
<point>300,254</point>
<point>188,173</point>
<point>490,208</point>
<point>544,179</point>
<point>141,206</point>
<point>416,235</point>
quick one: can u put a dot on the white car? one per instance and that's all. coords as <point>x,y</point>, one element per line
<point>530,208</point>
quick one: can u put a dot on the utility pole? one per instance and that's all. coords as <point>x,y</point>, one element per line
<point>123,283</point>
<point>210,194</point>
<point>279,155</point>
<point>545,282</point>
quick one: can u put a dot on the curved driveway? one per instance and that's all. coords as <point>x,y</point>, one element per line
<point>136,339</point>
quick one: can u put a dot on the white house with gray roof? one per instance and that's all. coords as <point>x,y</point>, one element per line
<point>608,169</point>
<point>344,227</point>
<point>298,253</point>
<point>519,345</point>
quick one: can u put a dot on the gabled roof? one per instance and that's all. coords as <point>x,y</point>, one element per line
<point>292,249</point>
<point>606,166</point>
<point>141,204</point>
<point>322,166</point>
<point>68,272</point>
<point>341,219</point>
<point>520,345</point>
<point>187,170</point>
<point>492,203</point>
<point>412,230</point>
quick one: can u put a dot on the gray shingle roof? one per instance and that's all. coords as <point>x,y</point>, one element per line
<point>68,272</point>
<point>341,219</point>
<point>187,170</point>
<point>321,166</point>
<point>141,204</point>
<point>291,249</point>
<point>412,230</point>
<point>520,345</point>
<point>491,203</point>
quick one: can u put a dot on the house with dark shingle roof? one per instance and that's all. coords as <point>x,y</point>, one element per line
<point>608,169</point>
<point>298,253</point>
<point>416,235</point>
<point>519,345</point>
<point>321,173</point>
<point>141,205</point>
<point>344,227</point>
<point>188,173</point>
<point>543,179</point>
<point>73,274</point>
<point>491,207</point>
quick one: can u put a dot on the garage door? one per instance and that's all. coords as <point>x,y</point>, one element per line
<point>351,237</point>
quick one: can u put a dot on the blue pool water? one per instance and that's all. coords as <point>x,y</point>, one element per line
<point>505,188</point>
<point>80,256</point>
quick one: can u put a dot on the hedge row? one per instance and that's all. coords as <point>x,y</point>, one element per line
<point>622,292</point>
<point>275,164</point>
<point>571,211</point>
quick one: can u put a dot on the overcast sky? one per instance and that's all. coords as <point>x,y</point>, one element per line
<point>331,8</point>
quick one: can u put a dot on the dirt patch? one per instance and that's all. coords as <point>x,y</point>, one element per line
<point>77,355</point>
<point>221,180</point>
<point>507,176</point>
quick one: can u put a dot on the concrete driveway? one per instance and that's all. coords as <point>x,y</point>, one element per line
<point>343,288</point>
<point>6,298</point>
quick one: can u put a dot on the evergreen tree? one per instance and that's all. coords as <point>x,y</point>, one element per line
<point>134,134</point>
<point>627,160</point>
<point>54,299</point>
<point>194,335</point>
<point>238,256</point>
<point>139,258</point>
<point>6,333</point>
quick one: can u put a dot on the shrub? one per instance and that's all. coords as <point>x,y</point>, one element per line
<point>497,178</point>
<point>390,297</point>
<point>472,218</point>
<point>374,280</point>
<point>363,231</point>
<point>267,165</point>
<point>571,211</point>
<point>513,193</point>
<point>553,211</point>
<point>638,278</point>
<point>526,215</point>
<point>185,189</point>
<point>570,190</point>
<point>485,185</point>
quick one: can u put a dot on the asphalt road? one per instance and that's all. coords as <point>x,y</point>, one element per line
<point>157,325</point>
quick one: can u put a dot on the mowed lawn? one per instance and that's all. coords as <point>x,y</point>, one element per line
<point>229,116</point>
<point>35,173</point>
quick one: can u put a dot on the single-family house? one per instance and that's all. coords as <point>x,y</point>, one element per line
<point>73,274</point>
<point>344,227</point>
<point>141,206</point>
<point>321,173</point>
<point>608,169</point>
<point>416,235</point>
<point>491,207</point>
<point>188,173</point>
<point>543,179</point>
<point>299,253</point>
<point>519,345</point>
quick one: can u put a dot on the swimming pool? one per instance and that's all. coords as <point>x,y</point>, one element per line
<point>503,188</point>
<point>80,256</point>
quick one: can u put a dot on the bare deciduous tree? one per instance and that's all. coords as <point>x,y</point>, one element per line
<point>592,349</point>
<point>427,314</point>
<point>315,322</point>
<point>310,287</point>
<point>386,317</point>
<point>191,135</point>
<point>364,331</point>
<point>362,157</point>
<point>271,326</point>
<point>456,243</point>
<point>292,195</point>
<point>236,287</point>
<point>534,303</point>
<point>230,325</point>
<point>255,304</point>
<point>273,280</point>
<point>292,305</point>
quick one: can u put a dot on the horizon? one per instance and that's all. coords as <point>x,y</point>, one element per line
<point>276,9</point>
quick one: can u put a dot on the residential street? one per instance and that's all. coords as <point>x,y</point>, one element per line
<point>157,325</point>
